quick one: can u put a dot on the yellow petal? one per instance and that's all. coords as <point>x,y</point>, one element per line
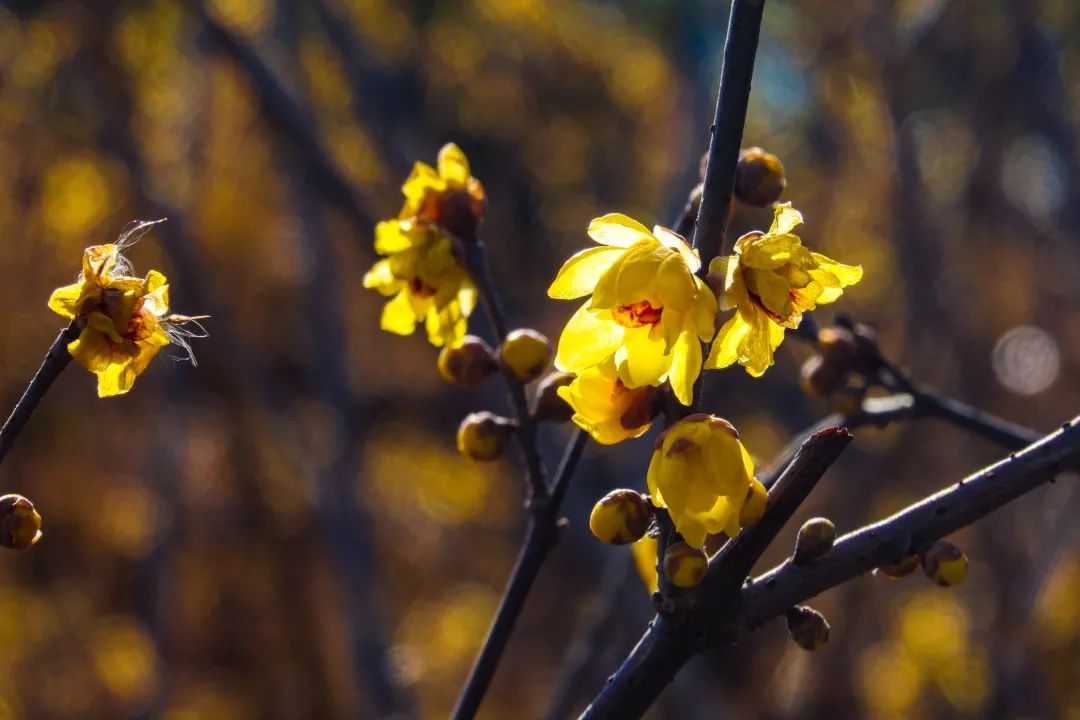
<point>652,477</point>
<point>99,260</point>
<point>65,301</point>
<point>644,552</point>
<point>618,230</point>
<point>641,361</point>
<point>704,311</point>
<point>756,350</point>
<point>785,219</point>
<point>398,316</point>
<point>674,283</point>
<point>421,181</point>
<point>581,272</point>
<point>685,367</point>
<point>678,243</point>
<point>101,322</point>
<point>725,348</point>
<point>115,380</point>
<point>453,165</point>
<point>391,236</point>
<point>92,350</point>
<point>588,338</point>
<point>772,289</point>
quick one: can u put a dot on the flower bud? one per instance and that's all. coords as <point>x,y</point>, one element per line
<point>757,497</point>
<point>483,435</point>
<point>816,537</point>
<point>468,364</point>
<point>20,523</point>
<point>945,564</point>
<point>759,178</point>
<point>807,627</point>
<point>838,347</point>
<point>620,517</point>
<point>819,378</point>
<point>902,568</point>
<point>684,565</point>
<point>525,353</point>
<point>548,405</point>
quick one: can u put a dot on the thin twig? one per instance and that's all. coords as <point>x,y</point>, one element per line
<point>55,361</point>
<point>740,48</point>
<point>541,535</point>
<point>914,528</point>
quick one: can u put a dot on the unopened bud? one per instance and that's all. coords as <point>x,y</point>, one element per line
<point>901,568</point>
<point>838,347</point>
<point>20,523</point>
<point>945,564</point>
<point>684,565</point>
<point>620,517</point>
<point>807,627</point>
<point>484,435</point>
<point>759,178</point>
<point>549,406</point>
<point>816,537</point>
<point>757,497</point>
<point>525,353</point>
<point>819,378</point>
<point>469,364</point>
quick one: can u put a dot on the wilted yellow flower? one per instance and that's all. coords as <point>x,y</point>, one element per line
<point>425,281</point>
<point>771,280</point>
<point>124,320</point>
<point>447,196</point>
<point>648,310</point>
<point>607,409</point>
<point>702,474</point>
<point>422,272</point>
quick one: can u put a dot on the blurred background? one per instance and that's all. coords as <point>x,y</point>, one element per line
<point>287,531</point>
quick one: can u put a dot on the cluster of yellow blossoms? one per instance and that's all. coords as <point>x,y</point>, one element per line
<point>123,320</point>
<point>649,311</point>
<point>422,272</point>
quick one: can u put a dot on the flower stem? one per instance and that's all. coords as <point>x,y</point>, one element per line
<point>541,535</point>
<point>740,48</point>
<point>55,361</point>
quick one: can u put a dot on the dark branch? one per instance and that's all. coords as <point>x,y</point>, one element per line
<point>740,48</point>
<point>55,361</point>
<point>541,535</point>
<point>914,528</point>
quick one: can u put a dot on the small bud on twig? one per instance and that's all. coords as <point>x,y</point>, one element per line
<point>620,517</point>
<point>759,178</point>
<point>549,406</point>
<point>525,353</point>
<point>484,435</point>
<point>945,564</point>
<point>816,537</point>
<point>807,627</point>
<point>468,364</point>
<point>757,497</point>
<point>902,568</point>
<point>20,523</point>
<point>684,565</point>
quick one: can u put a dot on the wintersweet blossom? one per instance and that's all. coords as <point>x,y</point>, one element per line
<point>607,409</point>
<point>702,474</point>
<point>770,280</point>
<point>648,310</point>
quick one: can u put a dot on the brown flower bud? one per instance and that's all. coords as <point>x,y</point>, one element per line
<point>759,178</point>
<point>620,517</point>
<point>20,523</point>
<point>469,364</point>
<point>684,565</point>
<point>757,497</point>
<point>945,564</point>
<point>548,406</point>
<point>807,627</point>
<point>525,353</point>
<point>818,378</point>
<point>838,347</point>
<point>484,435</point>
<point>816,537</point>
<point>902,568</point>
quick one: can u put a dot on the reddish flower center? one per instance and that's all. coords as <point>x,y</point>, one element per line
<point>637,314</point>
<point>418,288</point>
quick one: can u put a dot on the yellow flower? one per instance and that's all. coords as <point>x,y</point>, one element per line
<point>771,280</point>
<point>448,196</point>
<point>701,473</point>
<point>648,310</point>
<point>422,273</point>
<point>607,409</point>
<point>425,281</point>
<point>123,319</point>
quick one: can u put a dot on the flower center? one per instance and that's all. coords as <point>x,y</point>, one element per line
<point>637,314</point>
<point>418,288</point>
